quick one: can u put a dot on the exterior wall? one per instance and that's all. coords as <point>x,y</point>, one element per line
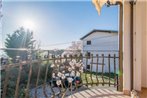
<point>144,46</point>
<point>126,50</point>
<point>101,41</point>
<point>140,62</point>
<point>140,46</point>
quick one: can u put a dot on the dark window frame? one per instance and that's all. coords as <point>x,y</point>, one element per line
<point>89,42</point>
<point>88,67</point>
<point>88,54</point>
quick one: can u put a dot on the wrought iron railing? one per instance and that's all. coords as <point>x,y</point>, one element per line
<point>58,76</point>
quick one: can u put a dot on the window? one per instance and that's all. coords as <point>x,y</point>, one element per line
<point>89,42</point>
<point>88,54</point>
<point>88,67</point>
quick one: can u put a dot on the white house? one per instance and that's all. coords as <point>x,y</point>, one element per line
<point>100,42</point>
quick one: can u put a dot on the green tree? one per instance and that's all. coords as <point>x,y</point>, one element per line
<point>21,38</point>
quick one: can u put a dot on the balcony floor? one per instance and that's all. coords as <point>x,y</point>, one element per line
<point>143,93</point>
<point>99,93</point>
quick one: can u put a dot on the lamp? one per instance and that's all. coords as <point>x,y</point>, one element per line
<point>99,3</point>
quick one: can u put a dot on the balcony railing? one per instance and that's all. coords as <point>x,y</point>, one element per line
<point>58,76</point>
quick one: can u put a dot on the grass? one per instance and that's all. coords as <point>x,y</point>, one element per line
<point>92,76</point>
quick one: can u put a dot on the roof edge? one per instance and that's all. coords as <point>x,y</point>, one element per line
<point>96,30</point>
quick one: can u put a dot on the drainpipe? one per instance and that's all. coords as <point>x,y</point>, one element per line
<point>132,3</point>
<point>120,45</point>
<point>131,48</point>
<point>120,75</point>
<point>120,88</point>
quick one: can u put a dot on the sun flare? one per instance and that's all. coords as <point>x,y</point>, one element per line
<point>28,24</point>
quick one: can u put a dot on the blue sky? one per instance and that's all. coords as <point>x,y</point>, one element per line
<point>57,22</point>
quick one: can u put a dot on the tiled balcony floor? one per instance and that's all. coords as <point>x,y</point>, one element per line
<point>99,93</point>
<point>143,93</point>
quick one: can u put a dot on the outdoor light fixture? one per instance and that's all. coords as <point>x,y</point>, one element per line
<point>99,3</point>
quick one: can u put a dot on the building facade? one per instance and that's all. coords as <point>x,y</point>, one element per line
<point>100,42</point>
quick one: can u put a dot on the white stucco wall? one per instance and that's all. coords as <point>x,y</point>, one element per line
<point>126,46</point>
<point>140,46</point>
<point>137,45</point>
<point>101,41</point>
<point>140,58</point>
<point>144,45</point>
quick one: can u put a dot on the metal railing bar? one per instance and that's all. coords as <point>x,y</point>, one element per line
<point>109,68</point>
<point>6,82</point>
<point>103,69</point>
<point>91,69</point>
<point>97,60</point>
<point>86,70</point>
<point>45,79</point>
<point>18,80</point>
<point>38,75</point>
<point>99,83</point>
<point>29,78</point>
<point>54,94</point>
<point>80,71</point>
<point>114,70</point>
<point>36,61</point>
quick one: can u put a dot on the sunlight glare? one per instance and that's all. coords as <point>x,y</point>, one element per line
<point>28,24</point>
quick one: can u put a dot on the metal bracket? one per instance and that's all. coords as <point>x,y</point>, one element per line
<point>108,3</point>
<point>133,2</point>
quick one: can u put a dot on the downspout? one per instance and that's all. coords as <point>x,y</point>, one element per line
<point>120,74</point>
<point>132,3</point>
<point>120,45</point>
<point>131,42</point>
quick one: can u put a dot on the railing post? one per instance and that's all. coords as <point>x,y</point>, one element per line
<point>91,69</point>
<point>6,82</point>
<point>97,61</point>
<point>29,76</point>
<point>103,69</point>
<point>45,79</point>
<point>109,67</point>
<point>117,77</point>
<point>38,75</point>
<point>114,70</point>
<point>121,47</point>
<point>53,61</point>
<point>18,80</point>
<point>86,55</point>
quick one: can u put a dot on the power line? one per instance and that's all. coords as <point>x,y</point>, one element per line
<point>24,49</point>
<point>57,44</point>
